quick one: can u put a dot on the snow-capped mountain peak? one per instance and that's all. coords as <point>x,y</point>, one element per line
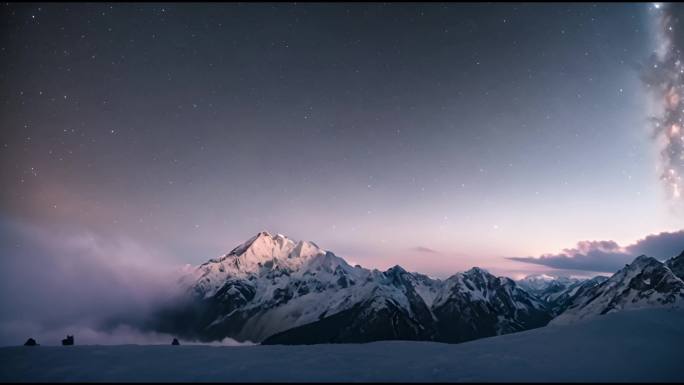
<point>642,261</point>
<point>261,252</point>
<point>646,282</point>
<point>676,264</point>
<point>277,290</point>
<point>477,270</point>
<point>557,292</point>
<point>271,285</point>
<point>541,282</point>
<point>264,246</point>
<point>537,282</point>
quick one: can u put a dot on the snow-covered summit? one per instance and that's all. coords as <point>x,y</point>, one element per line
<point>538,283</point>
<point>261,252</point>
<point>264,246</point>
<point>676,264</point>
<point>644,283</point>
<point>557,292</point>
<point>271,285</point>
<point>274,289</point>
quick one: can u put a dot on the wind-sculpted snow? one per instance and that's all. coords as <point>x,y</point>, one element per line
<point>630,346</point>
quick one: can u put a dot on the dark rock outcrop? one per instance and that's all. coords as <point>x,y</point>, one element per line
<point>69,340</point>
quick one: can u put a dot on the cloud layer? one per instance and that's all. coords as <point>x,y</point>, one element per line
<point>609,256</point>
<point>57,280</point>
<point>423,249</point>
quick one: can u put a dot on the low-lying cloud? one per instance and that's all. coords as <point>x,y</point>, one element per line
<point>423,249</point>
<point>609,256</point>
<point>56,281</point>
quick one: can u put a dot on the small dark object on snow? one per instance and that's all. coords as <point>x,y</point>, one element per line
<point>30,342</point>
<point>175,342</point>
<point>68,341</point>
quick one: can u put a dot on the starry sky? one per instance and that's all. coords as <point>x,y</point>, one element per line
<point>437,137</point>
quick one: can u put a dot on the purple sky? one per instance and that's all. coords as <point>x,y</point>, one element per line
<point>138,138</point>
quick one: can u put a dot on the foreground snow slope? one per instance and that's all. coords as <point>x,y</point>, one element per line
<point>636,345</point>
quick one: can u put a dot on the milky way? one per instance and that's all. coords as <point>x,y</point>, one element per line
<point>665,77</point>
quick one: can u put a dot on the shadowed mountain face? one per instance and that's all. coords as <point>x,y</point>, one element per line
<point>644,283</point>
<point>676,264</point>
<point>558,292</point>
<point>274,290</point>
<point>467,306</point>
<point>476,304</point>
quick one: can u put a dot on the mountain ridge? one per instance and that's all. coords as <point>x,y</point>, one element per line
<point>644,283</point>
<point>272,289</point>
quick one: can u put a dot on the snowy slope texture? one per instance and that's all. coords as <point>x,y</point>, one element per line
<point>603,349</point>
<point>676,264</point>
<point>468,305</point>
<point>644,283</point>
<point>537,283</point>
<point>558,292</point>
<point>296,292</point>
<point>475,304</point>
<point>560,301</point>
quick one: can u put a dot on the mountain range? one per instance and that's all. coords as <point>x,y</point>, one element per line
<point>273,290</point>
<point>558,292</point>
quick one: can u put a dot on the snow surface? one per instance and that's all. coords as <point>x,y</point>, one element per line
<point>537,282</point>
<point>632,345</point>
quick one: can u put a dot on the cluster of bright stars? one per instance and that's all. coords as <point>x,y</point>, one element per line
<point>670,125</point>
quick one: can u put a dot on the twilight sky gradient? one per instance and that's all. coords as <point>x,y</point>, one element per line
<point>434,137</point>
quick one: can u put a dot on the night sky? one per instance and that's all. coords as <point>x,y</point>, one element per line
<point>437,137</point>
